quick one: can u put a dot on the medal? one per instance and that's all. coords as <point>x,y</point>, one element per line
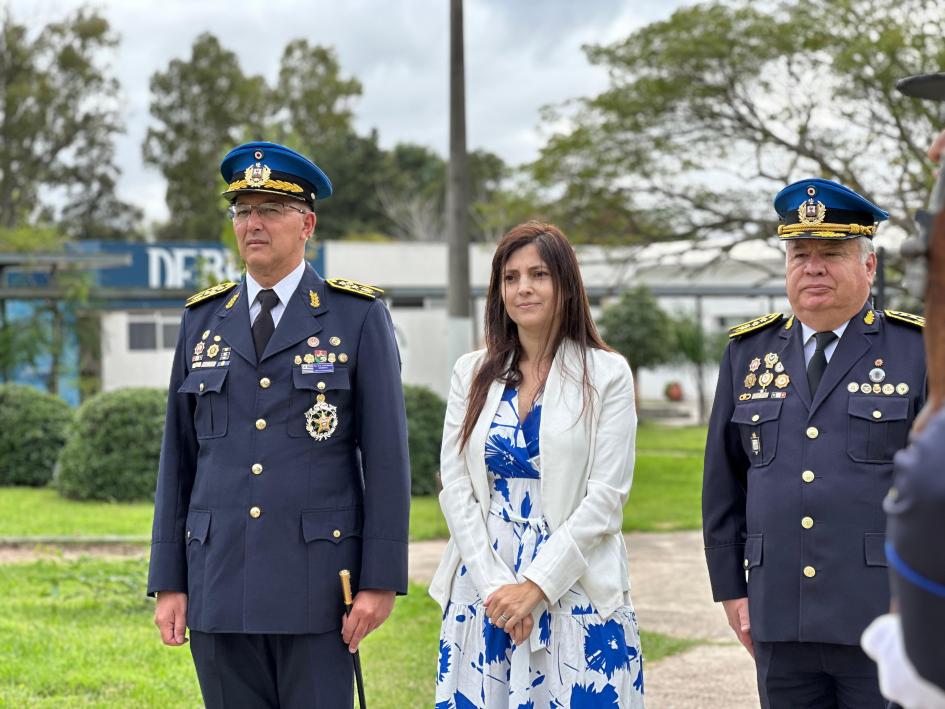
<point>889,389</point>
<point>771,359</point>
<point>765,379</point>
<point>781,381</point>
<point>877,375</point>
<point>321,420</point>
<point>334,341</point>
<point>298,359</point>
<point>750,380</point>
<point>902,389</point>
<point>312,341</point>
<point>212,350</point>
<point>342,358</point>
<point>754,364</point>
<point>309,358</point>
<point>198,350</point>
<point>779,367</point>
<point>853,387</point>
<point>865,388</point>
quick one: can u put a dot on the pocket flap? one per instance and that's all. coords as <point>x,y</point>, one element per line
<point>879,408</point>
<point>332,380</point>
<point>757,412</point>
<point>754,545</point>
<point>334,525</point>
<point>874,546</point>
<point>198,526</point>
<point>203,381</point>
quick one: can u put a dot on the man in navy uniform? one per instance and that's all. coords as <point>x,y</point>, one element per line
<point>808,413</point>
<point>284,459</point>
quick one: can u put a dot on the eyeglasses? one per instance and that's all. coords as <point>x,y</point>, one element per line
<point>267,211</point>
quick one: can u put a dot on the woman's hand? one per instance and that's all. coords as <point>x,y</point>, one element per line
<point>511,606</point>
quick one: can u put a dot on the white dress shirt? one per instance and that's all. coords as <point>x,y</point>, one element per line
<point>284,289</point>
<point>810,343</point>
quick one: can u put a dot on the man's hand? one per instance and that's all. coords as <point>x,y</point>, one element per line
<point>370,608</point>
<point>736,610</point>
<point>510,608</point>
<point>170,616</point>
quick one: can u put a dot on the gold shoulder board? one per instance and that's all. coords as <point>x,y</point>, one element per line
<point>211,292</point>
<point>907,318</point>
<point>756,324</point>
<point>350,286</point>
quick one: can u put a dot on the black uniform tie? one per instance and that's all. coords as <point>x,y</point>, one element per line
<point>263,327</point>
<point>818,363</point>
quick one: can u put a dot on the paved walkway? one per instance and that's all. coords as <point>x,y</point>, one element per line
<point>671,596</point>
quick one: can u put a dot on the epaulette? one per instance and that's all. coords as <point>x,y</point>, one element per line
<point>350,286</point>
<point>211,292</point>
<point>916,321</point>
<point>756,324</point>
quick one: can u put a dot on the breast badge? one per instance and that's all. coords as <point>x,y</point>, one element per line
<point>321,420</point>
<point>773,374</point>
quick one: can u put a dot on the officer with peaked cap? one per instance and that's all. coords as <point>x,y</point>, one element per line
<point>284,459</point>
<point>809,410</point>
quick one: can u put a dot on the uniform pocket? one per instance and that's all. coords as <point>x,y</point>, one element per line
<point>333,542</point>
<point>758,424</point>
<point>306,387</point>
<point>197,533</point>
<point>208,386</point>
<point>878,427</point>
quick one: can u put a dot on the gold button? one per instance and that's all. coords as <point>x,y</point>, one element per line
<point>188,534</point>
<point>746,563</point>
<point>810,572</point>
<point>260,424</point>
<point>755,417</point>
<point>342,358</point>
<point>877,414</point>
<point>257,468</point>
<point>808,476</point>
<point>264,382</point>
<point>812,432</point>
<point>892,495</point>
<point>336,533</point>
<point>807,522</point>
<point>202,386</point>
<point>321,386</point>
<point>254,512</point>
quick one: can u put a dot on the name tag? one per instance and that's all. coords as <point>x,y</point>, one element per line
<point>319,368</point>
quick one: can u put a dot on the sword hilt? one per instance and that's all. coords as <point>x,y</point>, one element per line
<point>345,576</point>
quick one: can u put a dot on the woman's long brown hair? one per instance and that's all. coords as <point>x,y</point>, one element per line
<point>574,321</point>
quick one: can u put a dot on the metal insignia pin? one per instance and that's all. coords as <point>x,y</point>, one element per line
<point>321,420</point>
<point>853,387</point>
<point>750,380</point>
<point>312,341</point>
<point>866,388</point>
<point>754,364</point>
<point>877,375</point>
<point>771,359</point>
<point>334,341</point>
<point>889,389</point>
<point>298,359</point>
<point>205,335</point>
<point>779,367</point>
<point>902,389</point>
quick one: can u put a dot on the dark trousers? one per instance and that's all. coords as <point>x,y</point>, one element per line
<point>816,676</point>
<point>238,670</point>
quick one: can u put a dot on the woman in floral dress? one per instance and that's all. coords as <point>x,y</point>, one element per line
<point>537,463</point>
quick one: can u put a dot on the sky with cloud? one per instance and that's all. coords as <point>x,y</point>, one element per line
<point>521,55</point>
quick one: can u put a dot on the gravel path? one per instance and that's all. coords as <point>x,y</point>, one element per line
<point>670,594</point>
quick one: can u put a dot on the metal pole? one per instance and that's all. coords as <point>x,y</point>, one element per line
<point>459,323</point>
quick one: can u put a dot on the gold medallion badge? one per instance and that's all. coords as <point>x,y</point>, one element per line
<point>256,175</point>
<point>321,420</point>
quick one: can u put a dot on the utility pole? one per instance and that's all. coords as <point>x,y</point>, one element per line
<point>459,321</point>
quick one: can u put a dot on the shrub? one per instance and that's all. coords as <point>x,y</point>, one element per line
<point>33,429</point>
<point>114,447</point>
<point>425,412</point>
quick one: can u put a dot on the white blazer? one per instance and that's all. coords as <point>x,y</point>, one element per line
<point>586,473</point>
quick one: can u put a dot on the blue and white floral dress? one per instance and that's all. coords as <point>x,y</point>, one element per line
<point>586,662</point>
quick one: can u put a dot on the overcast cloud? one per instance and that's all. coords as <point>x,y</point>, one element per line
<point>520,56</point>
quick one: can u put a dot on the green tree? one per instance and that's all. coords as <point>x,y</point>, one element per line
<point>693,345</point>
<point>710,112</point>
<point>639,329</point>
<point>58,118</point>
<point>203,106</point>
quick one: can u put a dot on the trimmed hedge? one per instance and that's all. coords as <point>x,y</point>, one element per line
<point>425,413</point>
<point>114,447</point>
<point>33,429</point>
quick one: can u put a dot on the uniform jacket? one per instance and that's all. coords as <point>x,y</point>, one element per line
<point>793,487</point>
<point>916,508</point>
<point>586,472</point>
<point>253,516</point>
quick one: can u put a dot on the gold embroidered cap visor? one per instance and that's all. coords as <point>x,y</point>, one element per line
<point>273,169</point>
<point>823,209</point>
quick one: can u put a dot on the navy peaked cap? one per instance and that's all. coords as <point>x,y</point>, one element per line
<point>274,169</point>
<point>823,209</point>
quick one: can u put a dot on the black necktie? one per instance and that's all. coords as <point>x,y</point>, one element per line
<point>263,327</point>
<point>818,363</point>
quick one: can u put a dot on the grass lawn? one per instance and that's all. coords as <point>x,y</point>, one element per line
<point>666,491</point>
<point>79,634</point>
